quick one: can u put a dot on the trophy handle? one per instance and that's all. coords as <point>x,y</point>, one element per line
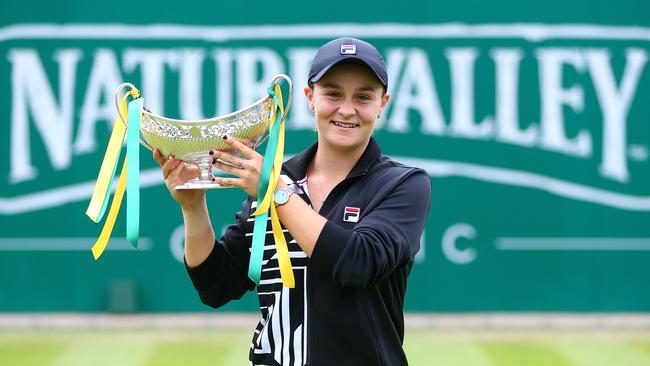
<point>119,112</point>
<point>275,80</point>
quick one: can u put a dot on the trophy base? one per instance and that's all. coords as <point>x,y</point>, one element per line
<point>200,185</point>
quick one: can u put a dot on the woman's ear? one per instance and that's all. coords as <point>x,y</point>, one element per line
<point>310,98</point>
<point>384,101</point>
<point>309,94</point>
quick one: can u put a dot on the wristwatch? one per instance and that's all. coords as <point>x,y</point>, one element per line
<point>281,195</point>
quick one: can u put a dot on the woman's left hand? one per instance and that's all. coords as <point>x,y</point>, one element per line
<point>246,168</point>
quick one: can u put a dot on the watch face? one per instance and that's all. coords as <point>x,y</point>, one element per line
<point>281,196</point>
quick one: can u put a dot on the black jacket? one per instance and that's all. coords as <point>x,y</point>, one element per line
<point>347,307</point>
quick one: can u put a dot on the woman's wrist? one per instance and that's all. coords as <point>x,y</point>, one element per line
<point>280,184</point>
<point>197,207</point>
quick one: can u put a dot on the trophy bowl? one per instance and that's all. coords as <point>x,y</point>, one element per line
<point>192,140</point>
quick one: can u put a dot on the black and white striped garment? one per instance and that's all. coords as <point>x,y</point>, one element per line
<point>281,335</point>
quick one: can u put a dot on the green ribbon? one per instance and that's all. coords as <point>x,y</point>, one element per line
<point>259,229</point>
<point>133,172</point>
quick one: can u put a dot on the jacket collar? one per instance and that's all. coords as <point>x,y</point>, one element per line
<point>296,167</point>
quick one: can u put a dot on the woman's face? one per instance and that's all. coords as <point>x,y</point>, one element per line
<point>346,103</point>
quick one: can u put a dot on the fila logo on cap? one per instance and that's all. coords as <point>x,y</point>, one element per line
<point>348,49</point>
<point>351,214</point>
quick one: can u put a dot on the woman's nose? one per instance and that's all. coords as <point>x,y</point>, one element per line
<point>347,108</point>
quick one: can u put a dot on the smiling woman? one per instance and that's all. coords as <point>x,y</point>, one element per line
<point>353,219</point>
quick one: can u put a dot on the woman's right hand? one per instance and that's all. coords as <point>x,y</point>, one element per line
<point>176,172</point>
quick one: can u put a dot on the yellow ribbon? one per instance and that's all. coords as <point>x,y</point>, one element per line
<point>107,230</point>
<point>101,192</point>
<point>99,199</point>
<point>286,271</point>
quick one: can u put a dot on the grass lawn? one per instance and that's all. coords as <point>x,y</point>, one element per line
<point>424,348</point>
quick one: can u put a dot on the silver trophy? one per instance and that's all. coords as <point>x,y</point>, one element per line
<point>192,140</point>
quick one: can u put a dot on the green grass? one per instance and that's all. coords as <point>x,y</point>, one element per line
<point>424,348</point>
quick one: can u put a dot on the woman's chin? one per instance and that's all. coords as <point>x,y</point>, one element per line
<point>345,142</point>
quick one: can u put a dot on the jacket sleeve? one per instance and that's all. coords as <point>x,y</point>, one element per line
<point>384,239</point>
<point>223,275</point>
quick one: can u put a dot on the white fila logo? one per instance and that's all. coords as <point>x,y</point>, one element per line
<point>351,214</point>
<point>348,49</point>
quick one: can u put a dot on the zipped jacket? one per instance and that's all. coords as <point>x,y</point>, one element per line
<point>347,305</point>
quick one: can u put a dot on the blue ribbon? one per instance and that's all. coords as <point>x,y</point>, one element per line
<point>133,172</point>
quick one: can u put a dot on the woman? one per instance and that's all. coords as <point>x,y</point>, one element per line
<point>354,227</point>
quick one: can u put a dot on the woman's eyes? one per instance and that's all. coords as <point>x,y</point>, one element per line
<point>360,97</point>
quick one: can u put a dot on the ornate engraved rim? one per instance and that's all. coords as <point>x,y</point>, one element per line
<point>208,120</point>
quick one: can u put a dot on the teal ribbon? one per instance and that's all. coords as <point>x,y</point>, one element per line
<point>133,172</point>
<point>259,229</point>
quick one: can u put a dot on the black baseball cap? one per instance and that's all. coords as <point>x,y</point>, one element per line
<point>347,49</point>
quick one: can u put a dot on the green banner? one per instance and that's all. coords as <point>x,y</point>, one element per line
<point>535,135</point>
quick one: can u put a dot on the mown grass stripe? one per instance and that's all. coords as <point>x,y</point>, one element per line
<point>241,344</point>
<point>608,351</point>
<point>188,353</point>
<point>156,347</point>
<point>29,352</point>
<point>642,346</point>
<point>201,349</point>
<point>522,353</point>
<point>99,349</point>
<point>425,349</point>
